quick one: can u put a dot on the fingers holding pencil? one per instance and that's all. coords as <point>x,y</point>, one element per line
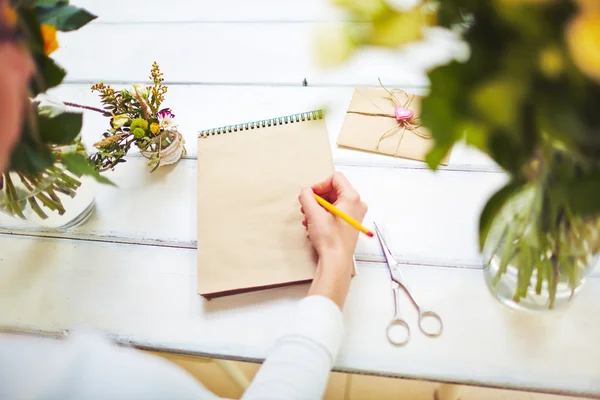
<point>325,229</point>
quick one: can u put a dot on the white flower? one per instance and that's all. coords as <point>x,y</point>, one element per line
<point>167,123</point>
<point>141,90</point>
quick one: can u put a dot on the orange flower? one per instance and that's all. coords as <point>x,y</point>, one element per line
<point>589,5</point>
<point>8,15</point>
<point>49,35</point>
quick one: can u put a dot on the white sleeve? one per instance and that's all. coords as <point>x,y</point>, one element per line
<point>88,366</point>
<point>298,366</point>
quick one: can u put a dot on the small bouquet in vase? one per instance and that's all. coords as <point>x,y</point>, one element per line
<point>137,118</point>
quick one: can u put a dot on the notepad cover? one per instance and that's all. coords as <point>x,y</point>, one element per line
<point>250,233</point>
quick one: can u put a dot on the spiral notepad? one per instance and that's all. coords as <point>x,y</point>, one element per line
<point>250,233</point>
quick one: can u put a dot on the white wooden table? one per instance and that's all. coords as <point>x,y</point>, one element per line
<point>134,276</point>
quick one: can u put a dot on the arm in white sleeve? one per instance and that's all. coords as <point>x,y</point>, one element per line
<point>298,366</point>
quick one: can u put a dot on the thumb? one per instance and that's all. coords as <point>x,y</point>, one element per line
<point>309,203</point>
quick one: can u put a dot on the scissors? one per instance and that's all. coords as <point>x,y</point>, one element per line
<point>399,284</point>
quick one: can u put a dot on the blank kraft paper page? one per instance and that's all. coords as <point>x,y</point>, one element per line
<point>250,232</point>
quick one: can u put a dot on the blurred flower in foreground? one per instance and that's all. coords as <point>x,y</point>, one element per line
<point>8,15</point>
<point>551,62</point>
<point>583,38</point>
<point>50,41</point>
<point>370,8</point>
<point>334,45</point>
<point>383,26</point>
<point>589,5</point>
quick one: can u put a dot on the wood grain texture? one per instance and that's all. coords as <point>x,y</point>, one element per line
<point>257,54</point>
<point>200,107</point>
<point>146,296</point>
<point>156,11</point>
<point>431,218</point>
<point>131,272</point>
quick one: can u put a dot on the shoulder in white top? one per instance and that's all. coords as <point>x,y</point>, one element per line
<point>88,366</point>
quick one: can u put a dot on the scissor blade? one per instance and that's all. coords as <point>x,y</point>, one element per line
<point>389,256</point>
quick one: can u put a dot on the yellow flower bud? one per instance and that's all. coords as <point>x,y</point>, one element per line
<point>50,41</point>
<point>583,38</point>
<point>154,128</point>
<point>551,62</point>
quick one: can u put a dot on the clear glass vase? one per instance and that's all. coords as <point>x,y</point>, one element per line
<point>53,200</point>
<point>533,272</point>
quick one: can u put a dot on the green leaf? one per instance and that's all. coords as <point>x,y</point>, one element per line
<point>30,154</point>
<point>31,26</point>
<point>398,28</point>
<point>493,207</point>
<point>60,130</point>
<point>65,17</point>
<point>30,157</point>
<point>505,151</point>
<point>79,165</point>
<point>582,195</point>
<point>498,101</point>
<point>49,3</point>
<point>437,154</point>
<point>49,75</point>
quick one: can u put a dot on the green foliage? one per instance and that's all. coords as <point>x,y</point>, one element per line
<point>139,123</point>
<point>37,156</point>
<point>49,75</point>
<point>134,120</point>
<point>60,130</point>
<point>504,101</point>
<point>34,152</point>
<point>529,100</point>
<point>380,25</point>
<point>79,165</point>
<point>138,133</point>
<point>63,16</point>
<point>494,206</point>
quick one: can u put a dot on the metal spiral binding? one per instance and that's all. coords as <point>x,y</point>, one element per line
<point>290,119</point>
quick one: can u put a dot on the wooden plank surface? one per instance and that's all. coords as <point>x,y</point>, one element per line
<point>431,218</point>
<point>156,11</point>
<point>200,107</point>
<point>145,295</point>
<point>258,54</point>
<point>232,61</point>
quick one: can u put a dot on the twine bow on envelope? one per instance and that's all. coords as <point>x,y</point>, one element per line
<point>401,112</point>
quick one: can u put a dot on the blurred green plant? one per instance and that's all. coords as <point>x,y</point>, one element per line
<point>49,157</point>
<point>527,96</point>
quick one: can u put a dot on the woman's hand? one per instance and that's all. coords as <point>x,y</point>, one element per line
<point>16,68</point>
<point>333,239</point>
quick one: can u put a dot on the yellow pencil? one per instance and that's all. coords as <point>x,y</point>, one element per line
<point>339,213</point>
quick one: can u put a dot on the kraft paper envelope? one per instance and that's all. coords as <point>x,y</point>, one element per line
<point>371,115</point>
<point>250,233</point>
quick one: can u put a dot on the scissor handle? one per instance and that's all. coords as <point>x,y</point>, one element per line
<point>394,325</point>
<point>425,315</point>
